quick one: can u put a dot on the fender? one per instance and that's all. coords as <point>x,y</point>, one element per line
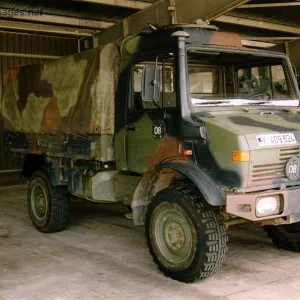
<point>161,176</point>
<point>209,189</point>
<point>38,162</point>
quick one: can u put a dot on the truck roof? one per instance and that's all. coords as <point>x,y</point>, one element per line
<point>207,36</point>
<point>162,38</point>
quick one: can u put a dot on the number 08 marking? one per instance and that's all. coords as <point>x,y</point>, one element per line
<point>293,169</point>
<point>157,130</point>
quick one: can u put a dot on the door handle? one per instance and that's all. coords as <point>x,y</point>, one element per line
<point>130,128</point>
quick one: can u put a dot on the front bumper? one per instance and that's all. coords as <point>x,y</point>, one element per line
<point>244,206</point>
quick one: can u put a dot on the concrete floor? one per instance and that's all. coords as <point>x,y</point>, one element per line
<point>102,255</point>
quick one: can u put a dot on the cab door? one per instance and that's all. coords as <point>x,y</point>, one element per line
<point>151,128</point>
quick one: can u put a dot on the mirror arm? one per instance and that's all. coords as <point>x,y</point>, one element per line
<point>155,82</point>
<point>155,77</point>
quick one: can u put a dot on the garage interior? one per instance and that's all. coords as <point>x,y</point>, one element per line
<point>66,27</point>
<point>102,255</point>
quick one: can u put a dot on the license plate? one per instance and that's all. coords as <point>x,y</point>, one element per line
<point>276,139</point>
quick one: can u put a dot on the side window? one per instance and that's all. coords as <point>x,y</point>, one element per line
<point>167,92</point>
<point>204,80</point>
<point>137,102</point>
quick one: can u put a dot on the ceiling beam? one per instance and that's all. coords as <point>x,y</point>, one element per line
<point>262,5</point>
<point>257,24</point>
<point>270,38</point>
<point>25,55</point>
<point>42,28</point>
<point>121,3</point>
<point>220,7</point>
<point>144,4</point>
<point>61,20</point>
<point>257,44</point>
<point>161,13</point>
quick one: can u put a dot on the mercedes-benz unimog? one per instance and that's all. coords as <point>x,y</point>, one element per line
<point>193,131</point>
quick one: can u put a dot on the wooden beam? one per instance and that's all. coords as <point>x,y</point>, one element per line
<point>60,20</point>
<point>219,7</point>
<point>24,55</point>
<point>10,171</point>
<point>281,4</point>
<point>43,28</point>
<point>143,4</point>
<point>270,38</point>
<point>257,24</point>
<point>120,3</point>
<point>166,12</point>
<point>257,44</point>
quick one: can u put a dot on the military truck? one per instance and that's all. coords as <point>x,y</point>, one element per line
<point>182,123</point>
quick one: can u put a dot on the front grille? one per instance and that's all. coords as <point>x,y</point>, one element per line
<point>286,153</point>
<point>272,172</point>
<point>268,172</point>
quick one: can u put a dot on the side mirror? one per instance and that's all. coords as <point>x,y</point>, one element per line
<point>151,83</point>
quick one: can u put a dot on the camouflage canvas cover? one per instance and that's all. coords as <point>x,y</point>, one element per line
<point>71,96</point>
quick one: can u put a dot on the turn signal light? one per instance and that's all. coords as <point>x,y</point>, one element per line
<point>240,156</point>
<point>185,152</point>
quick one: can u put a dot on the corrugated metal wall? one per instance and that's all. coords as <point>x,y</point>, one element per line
<point>37,46</point>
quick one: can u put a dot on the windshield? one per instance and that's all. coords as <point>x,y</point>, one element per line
<point>220,79</point>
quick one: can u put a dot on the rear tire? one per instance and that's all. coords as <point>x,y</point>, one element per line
<point>48,206</point>
<point>285,236</point>
<point>185,235</point>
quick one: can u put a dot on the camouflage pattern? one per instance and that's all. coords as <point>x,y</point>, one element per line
<point>238,130</point>
<point>66,108</point>
<point>80,108</point>
<point>72,96</point>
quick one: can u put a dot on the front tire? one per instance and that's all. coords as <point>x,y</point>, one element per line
<point>285,236</point>
<point>48,206</point>
<point>185,235</point>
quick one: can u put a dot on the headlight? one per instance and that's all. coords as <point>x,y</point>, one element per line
<point>267,206</point>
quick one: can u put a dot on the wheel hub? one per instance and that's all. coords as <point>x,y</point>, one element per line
<point>173,235</point>
<point>39,202</point>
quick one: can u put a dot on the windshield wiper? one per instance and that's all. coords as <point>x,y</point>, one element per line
<point>260,95</point>
<point>244,102</point>
<point>259,103</point>
<point>210,103</point>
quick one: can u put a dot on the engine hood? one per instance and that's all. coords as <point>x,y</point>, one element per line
<point>239,130</point>
<point>252,123</point>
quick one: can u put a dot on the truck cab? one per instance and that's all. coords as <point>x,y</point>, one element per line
<point>230,111</point>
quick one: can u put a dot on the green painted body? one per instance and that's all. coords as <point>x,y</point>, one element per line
<point>85,115</point>
<point>236,130</point>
